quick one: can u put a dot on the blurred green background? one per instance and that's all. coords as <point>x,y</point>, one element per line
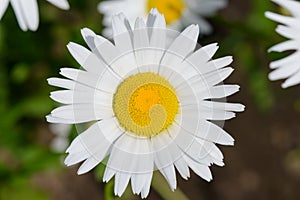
<point>264,163</point>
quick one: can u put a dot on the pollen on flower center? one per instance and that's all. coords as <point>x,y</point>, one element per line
<point>172,9</point>
<point>145,104</point>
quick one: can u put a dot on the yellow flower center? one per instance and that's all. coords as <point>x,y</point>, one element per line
<point>145,104</point>
<point>172,9</point>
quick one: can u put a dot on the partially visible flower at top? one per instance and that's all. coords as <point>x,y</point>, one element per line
<point>27,12</point>
<point>288,67</point>
<point>150,104</point>
<point>178,13</point>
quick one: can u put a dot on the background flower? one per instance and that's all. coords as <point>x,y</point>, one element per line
<point>27,11</point>
<point>178,13</point>
<point>61,133</point>
<point>288,67</point>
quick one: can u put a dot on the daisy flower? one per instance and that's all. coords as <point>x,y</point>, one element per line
<point>289,66</point>
<point>27,11</point>
<point>148,105</point>
<point>178,13</point>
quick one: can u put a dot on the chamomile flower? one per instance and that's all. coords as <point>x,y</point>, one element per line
<point>27,11</point>
<point>148,105</point>
<point>288,67</point>
<point>178,13</point>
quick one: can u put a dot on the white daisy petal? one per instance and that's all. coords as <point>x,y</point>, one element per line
<point>122,34</point>
<point>182,168</point>
<point>150,98</point>
<point>120,63</point>
<point>183,45</point>
<point>206,52</point>
<point>85,58</point>
<point>67,84</point>
<point>215,77</point>
<point>82,97</point>
<point>152,17</point>
<point>88,36</point>
<point>105,81</point>
<point>218,115</point>
<point>287,32</point>
<point>3,7</point>
<point>181,138</point>
<point>93,144</point>
<point>285,71</point>
<point>203,153</point>
<point>287,67</point>
<point>140,41</point>
<point>133,148</point>
<point>166,150</point>
<point>27,12</point>
<point>87,165</point>
<point>88,112</point>
<point>56,120</point>
<point>122,180</point>
<point>30,14</point>
<point>292,6</point>
<point>157,36</point>
<point>236,107</point>
<point>219,91</point>
<point>285,46</point>
<point>211,132</point>
<point>62,4</point>
<point>19,14</point>
<point>157,21</point>
<point>170,175</point>
<point>284,61</point>
<point>293,80</point>
<point>81,77</point>
<point>280,18</point>
<point>205,81</point>
<point>219,63</point>
<point>108,174</point>
<point>201,170</point>
<point>137,182</point>
<point>146,189</point>
<point>78,52</point>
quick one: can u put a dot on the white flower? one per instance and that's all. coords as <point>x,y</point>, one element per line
<point>178,13</point>
<point>288,67</point>
<point>27,11</point>
<point>149,104</point>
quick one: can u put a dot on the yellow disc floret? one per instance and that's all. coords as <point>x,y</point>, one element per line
<point>145,104</point>
<point>172,9</point>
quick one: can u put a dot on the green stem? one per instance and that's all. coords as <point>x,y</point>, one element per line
<point>162,188</point>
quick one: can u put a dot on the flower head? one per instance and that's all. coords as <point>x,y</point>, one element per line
<point>27,11</point>
<point>178,13</point>
<point>149,103</point>
<point>288,67</point>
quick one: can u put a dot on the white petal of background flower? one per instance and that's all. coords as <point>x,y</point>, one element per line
<point>27,12</point>
<point>62,4</point>
<point>3,7</point>
<point>288,67</point>
<point>90,96</point>
<point>193,11</point>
